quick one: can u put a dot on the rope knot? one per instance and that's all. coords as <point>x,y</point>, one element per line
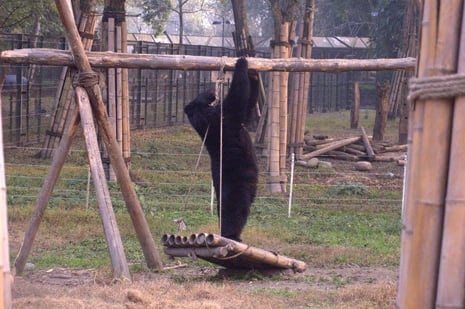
<point>436,87</point>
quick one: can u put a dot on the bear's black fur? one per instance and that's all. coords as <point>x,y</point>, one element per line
<point>240,171</point>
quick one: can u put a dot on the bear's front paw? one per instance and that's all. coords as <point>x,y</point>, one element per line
<point>241,63</point>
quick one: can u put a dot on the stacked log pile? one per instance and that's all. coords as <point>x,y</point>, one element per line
<point>356,148</point>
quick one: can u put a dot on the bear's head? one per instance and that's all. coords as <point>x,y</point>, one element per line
<point>201,104</point>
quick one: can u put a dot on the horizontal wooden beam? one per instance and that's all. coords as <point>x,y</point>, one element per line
<point>185,62</point>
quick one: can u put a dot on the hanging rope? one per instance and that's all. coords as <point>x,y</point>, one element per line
<point>220,93</point>
<point>180,221</point>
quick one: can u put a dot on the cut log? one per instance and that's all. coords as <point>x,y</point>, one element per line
<point>341,155</point>
<point>184,62</point>
<point>331,146</point>
<point>394,148</point>
<point>366,142</point>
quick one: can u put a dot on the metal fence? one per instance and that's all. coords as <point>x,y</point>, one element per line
<point>156,96</point>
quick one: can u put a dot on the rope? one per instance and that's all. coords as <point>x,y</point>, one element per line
<point>181,224</point>
<point>436,87</point>
<point>220,82</point>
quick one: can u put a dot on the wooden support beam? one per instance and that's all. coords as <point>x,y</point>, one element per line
<point>110,226</point>
<point>45,192</point>
<point>99,111</point>
<point>185,62</point>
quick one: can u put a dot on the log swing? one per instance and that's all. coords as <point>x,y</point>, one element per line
<point>215,248</point>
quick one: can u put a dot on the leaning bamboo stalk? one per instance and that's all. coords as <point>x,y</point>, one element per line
<point>110,226</point>
<point>46,56</point>
<point>428,185</point>
<point>332,146</point>
<point>122,174</point>
<point>451,278</point>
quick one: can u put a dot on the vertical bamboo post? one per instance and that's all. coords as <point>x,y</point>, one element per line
<point>307,53</point>
<point>355,111</point>
<point>451,281</point>
<point>110,226</point>
<point>273,184</point>
<point>283,98</point>
<point>426,185</point>
<point>126,128</point>
<point>122,173</point>
<point>5,275</point>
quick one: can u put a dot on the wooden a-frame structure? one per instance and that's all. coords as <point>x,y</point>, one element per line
<point>90,105</point>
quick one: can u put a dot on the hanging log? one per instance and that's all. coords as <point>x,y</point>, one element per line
<point>184,62</point>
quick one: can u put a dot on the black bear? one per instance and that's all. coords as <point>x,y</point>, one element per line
<point>239,169</point>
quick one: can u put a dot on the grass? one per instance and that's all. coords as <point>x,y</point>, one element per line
<point>338,218</point>
<point>336,215</point>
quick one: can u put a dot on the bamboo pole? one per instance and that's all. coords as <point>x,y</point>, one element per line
<point>46,56</point>
<point>273,178</point>
<point>122,173</point>
<point>283,99</point>
<point>451,280</point>
<point>110,226</point>
<point>429,185</point>
<point>303,102</point>
<point>5,275</point>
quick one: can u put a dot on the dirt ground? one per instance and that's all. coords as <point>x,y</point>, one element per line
<point>208,287</point>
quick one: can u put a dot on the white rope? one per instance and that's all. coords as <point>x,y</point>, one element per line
<point>220,82</point>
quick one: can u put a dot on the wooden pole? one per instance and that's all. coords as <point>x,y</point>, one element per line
<point>110,226</point>
<point>185,62</point>
<point>355,111</point>
<point>381,112</point>
<point>451,281</point>
<point>426,187</point>
<point>45,192</point>
<point>5,275</point>
<point>122,173</point>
